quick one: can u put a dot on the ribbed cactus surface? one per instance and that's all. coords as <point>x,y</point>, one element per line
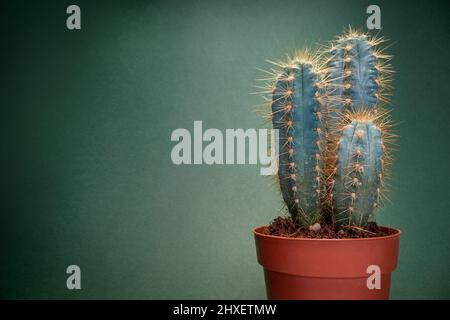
<point>358,73</point>
<point>359,173</point>
<point>297,113</point>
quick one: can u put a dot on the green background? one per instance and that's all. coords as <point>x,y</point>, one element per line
<point>87,118</point>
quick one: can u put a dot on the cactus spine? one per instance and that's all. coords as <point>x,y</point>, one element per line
<point>297,112</point>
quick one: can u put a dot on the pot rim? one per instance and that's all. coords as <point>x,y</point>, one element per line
<point>394,235</point>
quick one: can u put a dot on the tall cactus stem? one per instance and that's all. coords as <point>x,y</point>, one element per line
<point>298,112</point>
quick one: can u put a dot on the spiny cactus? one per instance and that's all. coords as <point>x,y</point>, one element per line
<point>359,72</point>
<point>360,170</point>
<point>333,130</point>
<point>297,111</point>
<point>359,76</point>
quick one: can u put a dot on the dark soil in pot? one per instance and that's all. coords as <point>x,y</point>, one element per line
<point>286,227</point>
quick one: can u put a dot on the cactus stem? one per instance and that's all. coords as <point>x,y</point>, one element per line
<point>371,137</point>
<point>297,105</point>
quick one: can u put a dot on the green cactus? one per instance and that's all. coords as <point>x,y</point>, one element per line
<point>333,131</point>
<point>359,73</point>
<point>297,111</point>
<point>359,171</point>
<point>357,157</point>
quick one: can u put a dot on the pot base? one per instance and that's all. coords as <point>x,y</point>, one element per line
<point>288,287</point>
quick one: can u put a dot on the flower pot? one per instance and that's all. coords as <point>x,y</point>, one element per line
<point>303,269</point>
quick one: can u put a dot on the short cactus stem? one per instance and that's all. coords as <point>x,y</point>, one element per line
<point>358,174</point>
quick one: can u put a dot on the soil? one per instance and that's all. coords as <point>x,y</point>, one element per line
<point>286,227</point>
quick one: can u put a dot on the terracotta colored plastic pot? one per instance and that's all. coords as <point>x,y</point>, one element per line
<point>303,269</point>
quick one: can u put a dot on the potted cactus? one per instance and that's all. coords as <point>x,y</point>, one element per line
<point>334,155</point>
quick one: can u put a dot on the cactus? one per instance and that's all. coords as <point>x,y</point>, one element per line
<point>333,131</point>
<point>297,112</point>
<point>359,171</point>
<point>359,73</point>
<point>359,76</point>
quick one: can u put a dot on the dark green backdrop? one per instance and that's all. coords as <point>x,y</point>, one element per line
<point>87,118</point>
